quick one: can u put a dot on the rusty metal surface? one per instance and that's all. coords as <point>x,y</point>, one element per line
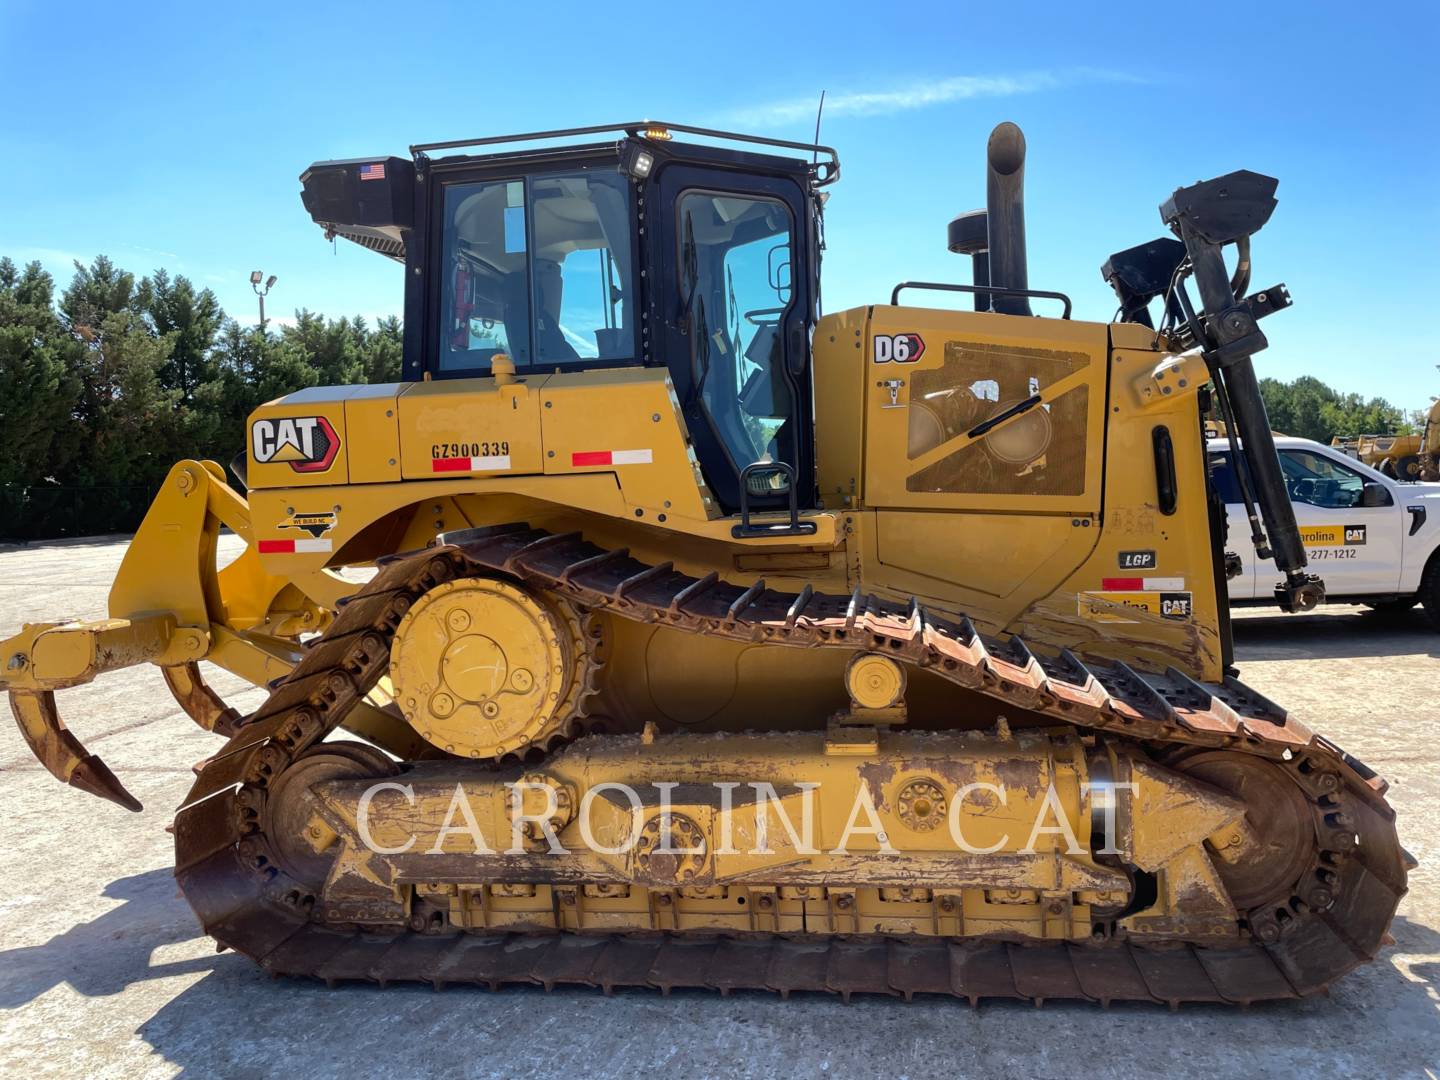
<point>62,754</point>
<point>199,701</point>
<point>247,903</point>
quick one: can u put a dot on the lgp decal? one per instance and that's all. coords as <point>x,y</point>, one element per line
<point>1137,560</point>
<point>317,525</point>
<point>898,348</point>
<point>306,443</point>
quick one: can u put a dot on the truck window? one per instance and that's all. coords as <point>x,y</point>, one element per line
<point>1318,480</point>
<point>1222,475</point>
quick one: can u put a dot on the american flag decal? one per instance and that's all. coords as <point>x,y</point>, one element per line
<point>373,172</point>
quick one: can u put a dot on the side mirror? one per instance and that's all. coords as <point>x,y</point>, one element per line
<point>1375,494</point>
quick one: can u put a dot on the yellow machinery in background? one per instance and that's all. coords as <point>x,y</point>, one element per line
<point>1404,457</point>
<point>645,548</point>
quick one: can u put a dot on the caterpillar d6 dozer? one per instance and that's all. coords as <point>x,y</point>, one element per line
<point>708,641</point>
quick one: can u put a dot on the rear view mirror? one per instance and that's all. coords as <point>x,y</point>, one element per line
<point>1376,495</point>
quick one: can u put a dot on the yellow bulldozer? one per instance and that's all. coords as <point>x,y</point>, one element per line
<point>657,630</point>
<point>1404,457</point>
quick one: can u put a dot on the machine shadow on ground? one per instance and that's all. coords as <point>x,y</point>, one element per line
<point>109,954</point>
<point>523,1031</point>
<point>236,1018</point>
<point>1333,634</point>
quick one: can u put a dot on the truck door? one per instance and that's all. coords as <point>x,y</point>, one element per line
<point>1237,539</point>
<point>984,453</point>
<point>1355,548</point>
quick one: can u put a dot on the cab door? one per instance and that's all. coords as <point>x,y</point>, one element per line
<point>984,453</point>
<point>1354,548</point>
<point>736,306</point>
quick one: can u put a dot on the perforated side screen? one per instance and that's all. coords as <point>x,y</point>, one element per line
<point>1041,451</point>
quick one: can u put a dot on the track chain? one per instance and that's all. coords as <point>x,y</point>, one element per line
<point>228,873</point>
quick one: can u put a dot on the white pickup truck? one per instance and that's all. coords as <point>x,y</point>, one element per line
<point>1373,540</point>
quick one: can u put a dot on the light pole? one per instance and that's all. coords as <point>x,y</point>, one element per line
<point>255,276</point>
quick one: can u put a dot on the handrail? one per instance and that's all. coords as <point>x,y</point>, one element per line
<point>987,289</point>
<point>637,129</point>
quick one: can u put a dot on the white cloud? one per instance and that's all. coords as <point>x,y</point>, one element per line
<point>57,260</point>
<point>171,257</point>
<point>920,95</point>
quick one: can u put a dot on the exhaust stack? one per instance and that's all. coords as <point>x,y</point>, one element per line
<point>1005,215</point>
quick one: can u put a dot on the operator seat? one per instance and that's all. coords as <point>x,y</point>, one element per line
<point>552,346</point>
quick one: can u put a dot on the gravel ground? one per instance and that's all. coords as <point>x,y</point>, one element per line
<point>103,971</point>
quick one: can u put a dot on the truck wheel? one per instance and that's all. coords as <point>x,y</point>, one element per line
<point>1408,467</point>
<point>1387,468</point>
<point>1430,590</point>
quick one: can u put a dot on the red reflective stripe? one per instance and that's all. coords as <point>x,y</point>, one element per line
<point>277,547</point>
<point>1122,584</point>
<point>450,464</point>
<point>590,457</point>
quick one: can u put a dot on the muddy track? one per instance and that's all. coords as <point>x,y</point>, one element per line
<point>1336,920</point>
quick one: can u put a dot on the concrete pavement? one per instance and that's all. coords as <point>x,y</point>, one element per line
<point>103,971</point>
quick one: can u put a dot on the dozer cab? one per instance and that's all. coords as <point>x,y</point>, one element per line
<point>690,637</point>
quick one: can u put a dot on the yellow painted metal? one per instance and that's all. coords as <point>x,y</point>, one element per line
<point>482,668</point>
<point>840,383</point>
<point>874,682</point>
<point>51,656</point>
<point>374,452</point>
<point>526,434</point>
<point>1015,560</point>
<point>631,412</point>
<point>919,833</point>
<point>288,425</point>
<point>1012,353</point>
<point>495,425</point>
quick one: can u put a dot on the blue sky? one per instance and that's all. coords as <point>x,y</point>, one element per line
<point>172,135</point>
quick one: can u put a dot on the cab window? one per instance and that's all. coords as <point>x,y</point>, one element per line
<point>1320,481</point>
<point>537,268</point>
<point>485,289</point>
<point>735,265</point>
